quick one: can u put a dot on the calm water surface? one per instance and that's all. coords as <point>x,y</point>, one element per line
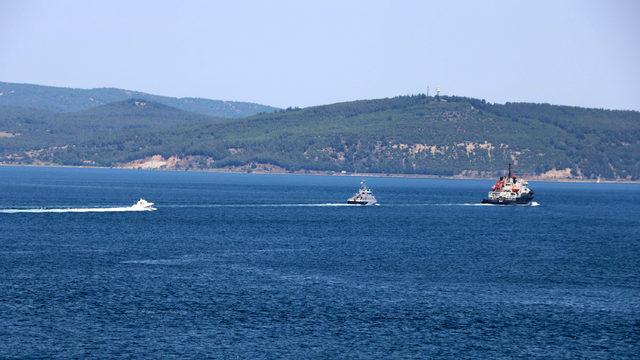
<point>269,266</point>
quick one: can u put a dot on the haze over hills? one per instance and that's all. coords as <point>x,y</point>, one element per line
<point>62,99</point>
<point>405,135</point>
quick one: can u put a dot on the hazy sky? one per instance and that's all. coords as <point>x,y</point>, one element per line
<point>301,53</point>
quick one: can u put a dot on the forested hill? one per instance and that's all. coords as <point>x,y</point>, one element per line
<point>25,131</point>
<point>407,134</point>
<point>61,99</point>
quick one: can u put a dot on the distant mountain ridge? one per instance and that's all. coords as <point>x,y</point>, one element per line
<point>28,134</point>
<point>60,99</point>
<point>451,136</point>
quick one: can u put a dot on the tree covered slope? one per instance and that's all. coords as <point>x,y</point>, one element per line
<point>407,134</point>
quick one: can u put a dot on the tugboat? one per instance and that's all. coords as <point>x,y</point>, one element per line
<point>364,196</point>
<point>509,191</point>
<point>143,204</point>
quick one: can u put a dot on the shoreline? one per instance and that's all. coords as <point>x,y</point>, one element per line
<point>324,173</point>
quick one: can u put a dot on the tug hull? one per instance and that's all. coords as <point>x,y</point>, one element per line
<point>522,200</point>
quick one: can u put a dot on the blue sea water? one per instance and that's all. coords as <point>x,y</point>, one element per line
<point>269,266</point>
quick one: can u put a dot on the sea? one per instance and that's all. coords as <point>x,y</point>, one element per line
<point>251,266</point>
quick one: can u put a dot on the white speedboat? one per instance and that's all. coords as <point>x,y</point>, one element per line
<point>364,196</point>
<point>143,204</point>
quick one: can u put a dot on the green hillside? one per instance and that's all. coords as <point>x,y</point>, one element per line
<point>60,99</point>
<point>31,129</point>
<point>407,134</point>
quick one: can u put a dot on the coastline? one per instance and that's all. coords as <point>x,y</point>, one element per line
<point>324,173</point>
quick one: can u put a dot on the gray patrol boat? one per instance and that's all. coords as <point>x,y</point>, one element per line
<point>364,196</point>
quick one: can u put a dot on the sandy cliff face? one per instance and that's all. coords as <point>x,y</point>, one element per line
<point>171,163</point>
<point>556,174</point>
<point>153,162</point>
<point>158,162</point>
<point>174,162</point>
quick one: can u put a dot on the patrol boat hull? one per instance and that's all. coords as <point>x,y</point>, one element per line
<point>357,202</point>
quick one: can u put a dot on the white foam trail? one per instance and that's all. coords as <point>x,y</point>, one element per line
<point>156,262</point>
<point>453,204</point>
<point>257,205</point>
<point>332,205</point>
<point>480,204</point>
<point>305,205</point>
<point>75,210</point>
<point>327,204</point>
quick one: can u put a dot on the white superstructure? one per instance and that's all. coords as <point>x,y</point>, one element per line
<point>364,196</point>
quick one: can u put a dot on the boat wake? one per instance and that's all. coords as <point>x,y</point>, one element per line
<point>76,210</point>
<point>335,205</point>
<point>140,209</point>
<point>533,203</point>
<point>461,204</point>
<point>308,205</point>
<point>258,205</point>
<point>321,205</point>
<point>473,204</point>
